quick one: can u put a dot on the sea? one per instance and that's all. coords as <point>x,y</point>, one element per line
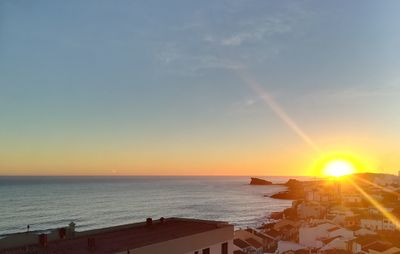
<point>93,202</point>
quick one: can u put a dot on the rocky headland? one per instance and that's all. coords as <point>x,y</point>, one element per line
<point>259,181</point>
<point>294,188</point>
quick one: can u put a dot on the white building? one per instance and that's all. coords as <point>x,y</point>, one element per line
<point>241,245</point>
<point>377,223</point>
<point>307,210</point>
<point>363,232</point>
<point>334,243</point>
<point>314,236</point>
<point>339,231</point>
<point>265,241</point>
<point>386,179</point>
<point>284,246</point>
<point>352,198</point>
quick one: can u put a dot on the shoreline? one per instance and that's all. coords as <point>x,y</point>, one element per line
<point>294,189</point>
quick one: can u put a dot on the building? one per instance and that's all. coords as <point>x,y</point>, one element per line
<point>352,199</point>
<point>381,248</point>
<point>327,193</point>
<point>314,237</point>
<point>333,243</point>
<point>284,222</point>
<point>359,243</point>
<point>385,179</point>
<point>289,247</point>
<point>377,223</point>
<point>307,210</point>
<point>241,245</point>
<point>363,232</point>
<point>268,243</point>
<point>172,235</point>
<point>258,247</point>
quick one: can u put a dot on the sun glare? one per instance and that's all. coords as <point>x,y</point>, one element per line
<point>338,168</point>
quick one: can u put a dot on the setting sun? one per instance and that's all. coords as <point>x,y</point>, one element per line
<point>338,168</point>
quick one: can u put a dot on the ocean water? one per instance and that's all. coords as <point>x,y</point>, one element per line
<point>93,202</point>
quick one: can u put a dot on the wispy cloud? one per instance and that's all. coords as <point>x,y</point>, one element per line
<point>257,30</point>
<point>192,64</point>
<point>206,42</point>
<point>168,53</point>
<point>351,94</point>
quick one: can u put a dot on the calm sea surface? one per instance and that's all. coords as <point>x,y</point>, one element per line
<point>93,202</point>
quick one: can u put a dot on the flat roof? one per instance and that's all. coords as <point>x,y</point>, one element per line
<point>120,238</point>
<point>240,243</point>
<point>253,242</point>
<point>378,246</point>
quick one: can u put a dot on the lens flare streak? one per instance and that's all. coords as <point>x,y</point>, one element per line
<point>377,186</point>
<point>377,205</point>
<point>276,108</point>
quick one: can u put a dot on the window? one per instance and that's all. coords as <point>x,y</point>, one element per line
<point>206,251</point>
<point>224,248</point>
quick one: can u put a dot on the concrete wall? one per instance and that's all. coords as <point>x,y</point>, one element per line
<point>307,210</point>
<point>308,237</point>
<point>371,224</point>
<point>18,240</point>
<point>377,224</point>
<point>23,239</point>
<point>389,251</point>
<point>215,248</point>
<point>189,244</point>
<point>348,234</point>
<point>243,234</point>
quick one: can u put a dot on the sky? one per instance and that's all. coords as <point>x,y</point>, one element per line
<point>197,87</point>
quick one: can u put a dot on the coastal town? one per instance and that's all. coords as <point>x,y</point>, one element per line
<point>356,214</point>
<point>353,214</point>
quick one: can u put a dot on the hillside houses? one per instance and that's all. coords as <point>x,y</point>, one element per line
<point>334,218</point>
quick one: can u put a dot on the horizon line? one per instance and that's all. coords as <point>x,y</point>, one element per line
<point>173,175</point>
<point>114,175</point>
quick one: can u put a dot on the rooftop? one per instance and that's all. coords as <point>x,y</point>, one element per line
<point>366,239</point>
<point>120,238</point>
<point>273,233</point>
<point>240,243</point>
<point>328,240</point>
<point>259,234</point>
<point>333,229</point>
<point>254,243</point>
<point>378,246</point>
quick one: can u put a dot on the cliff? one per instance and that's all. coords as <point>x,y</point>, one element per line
<point>294,191</point>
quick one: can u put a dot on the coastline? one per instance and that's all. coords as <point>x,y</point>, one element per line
<point>294,189</point>
<point>131,199</point>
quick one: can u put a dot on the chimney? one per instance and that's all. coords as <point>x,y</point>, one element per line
<point>62,233</point>
<point>43,240</point>
<point>149,222</point>
<point>71,229</point>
